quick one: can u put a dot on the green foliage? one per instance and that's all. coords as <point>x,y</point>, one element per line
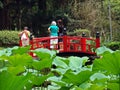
<point>78,32</point>
<point>76,79</point>
<point>7,51</point>
<point>20,50</point>
<point>18,65</point>
<point>109,62</point>
<point>19,69</point>
<point>115,5</point>
<point>103,49</point>
<point>115,12</point>
<point>113,45</point>
<point>8,38</point>
<point>9,81</point>
<point>89,14</point>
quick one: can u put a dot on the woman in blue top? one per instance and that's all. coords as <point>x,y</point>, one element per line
<point>53,30</point>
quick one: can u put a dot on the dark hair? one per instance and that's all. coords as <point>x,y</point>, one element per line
<point>26,28</point>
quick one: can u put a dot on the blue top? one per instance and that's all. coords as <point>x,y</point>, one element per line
<point>54,30</point>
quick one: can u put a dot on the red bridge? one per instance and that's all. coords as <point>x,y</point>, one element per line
<point>69,45</point>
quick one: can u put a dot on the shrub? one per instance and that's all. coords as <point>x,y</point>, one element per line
<point>78,32</point>
<point>114,45</point>
<point>9,38</point>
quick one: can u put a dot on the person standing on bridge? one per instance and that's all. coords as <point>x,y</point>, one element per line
<point>53,30</point>
<point>25,36</point>
<point>62,29</point>
<point>62,32</point>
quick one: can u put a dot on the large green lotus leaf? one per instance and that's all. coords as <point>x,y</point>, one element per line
<point>11,82</point>
<point>109,62</point>
<point>88,67</point>
<point>28,86</point>
<point>7,51</point>
<point>103,49</point>
<point>100,82</point>
<point>2,64</point>
<point>2,52</point>
<point>99,79</point>
<point>43,53</point>
<point>62,84</point>
<point>39,65</point>
<point>98,76</point>
<point>85,85</point>
<point>60,71</point>
<point>18,59</point>
<point>57,80</point>
<point>16,70</point>
<point>114,78</point>
<point>76,63</point>
<point>57,84</point>
<point>64,59</point>
<point>76,79</point>
<point>60,62</point>
<point>113,86</point>
<point>54,78</point>
<point>54,87</point>
<point>64,88</point>
<point>96,87</point>
<point>38,80</point>
<point>76,88</point>
<point>21,50</point>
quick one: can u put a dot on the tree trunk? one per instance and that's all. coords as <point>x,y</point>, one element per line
<point>4,24</point>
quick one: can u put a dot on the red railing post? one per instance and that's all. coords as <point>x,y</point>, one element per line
<point>97,39</point>
<point>31,44</point>
<point>20,42</point>
<point>83,43</point>
<point>48,43</point>
<point>65,43</point>
<point>31,48</point>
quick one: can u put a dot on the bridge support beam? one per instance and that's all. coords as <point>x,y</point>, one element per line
<point>97,40</point>
<point>83,43</point>
<point>20,43</point>
<point>65,43</point>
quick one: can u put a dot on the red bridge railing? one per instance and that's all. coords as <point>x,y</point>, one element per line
<point>68,44</point>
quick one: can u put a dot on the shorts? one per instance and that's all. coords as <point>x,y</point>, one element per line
<point>25,42</point>
<point>53,42</point>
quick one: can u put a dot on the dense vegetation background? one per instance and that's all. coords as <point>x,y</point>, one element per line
<point>92,15</point>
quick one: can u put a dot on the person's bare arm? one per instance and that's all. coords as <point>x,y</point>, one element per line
<point>20,34</point>
<point>49,30</point>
